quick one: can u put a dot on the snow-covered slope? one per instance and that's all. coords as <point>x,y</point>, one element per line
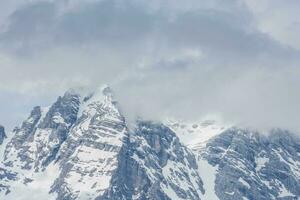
<point>81,148</point>
<point>196,134</point>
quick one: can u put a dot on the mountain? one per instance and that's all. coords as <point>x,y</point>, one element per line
<point>249,165</point>
<point>81,147</point>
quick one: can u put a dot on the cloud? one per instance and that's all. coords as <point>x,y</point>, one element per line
<point>42,25</point>
<point>278,19</point>
<point>188,59</point>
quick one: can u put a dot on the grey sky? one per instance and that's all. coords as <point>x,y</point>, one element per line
<point>238,59</point>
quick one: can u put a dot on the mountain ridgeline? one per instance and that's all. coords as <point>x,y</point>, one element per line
<point>81,148</point>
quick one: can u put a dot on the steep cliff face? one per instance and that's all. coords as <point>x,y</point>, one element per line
<point>36,143</point>
<point>81,148</point>
<point>89,155</point>
<point>153,164</point>
<point>249,165</point>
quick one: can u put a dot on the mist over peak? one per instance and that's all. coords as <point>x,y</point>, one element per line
<point>187,60</point>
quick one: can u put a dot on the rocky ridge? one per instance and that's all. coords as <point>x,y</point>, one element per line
<point>81,148</point>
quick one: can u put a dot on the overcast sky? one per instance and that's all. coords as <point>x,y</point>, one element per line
<point>236,59</point>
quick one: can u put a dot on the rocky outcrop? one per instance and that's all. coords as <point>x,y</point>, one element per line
<point>6,176</point>
<point>153,164</point>
<point>2,134</point>
<point>254,166</point>
<point>89,155</point>
<point>36,143</point>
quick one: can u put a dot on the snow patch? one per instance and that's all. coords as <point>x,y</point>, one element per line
<point>37,189</point>
<point>208,174</point>
<point>260,163</point>
<point>244,183</point>
<point>196,134</point>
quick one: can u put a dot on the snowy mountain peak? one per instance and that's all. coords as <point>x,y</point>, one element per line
<point>81,148</point>
<point>106,90</point>
<point>100,99</point>
<point>79,91</point>
<point>108,94</point>
<point>196,134</point>
<point>100,94</point>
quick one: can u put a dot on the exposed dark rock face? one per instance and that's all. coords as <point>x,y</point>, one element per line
<point>2,134</point>
<point>5,177</point>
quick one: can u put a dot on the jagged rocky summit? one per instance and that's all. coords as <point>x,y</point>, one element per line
<point>81,148</point>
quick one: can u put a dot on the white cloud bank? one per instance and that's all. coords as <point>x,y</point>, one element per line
<point>186,59</point>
